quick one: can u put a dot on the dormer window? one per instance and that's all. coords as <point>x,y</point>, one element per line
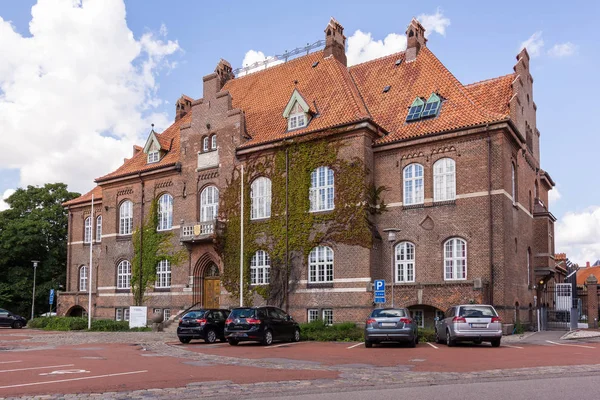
<point>297,112</point>
<point>415,110</point>
<point>297,118</point>
<point>153,156</point>
<point>432,107</point>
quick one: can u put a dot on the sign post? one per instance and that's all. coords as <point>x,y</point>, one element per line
<point>51,301</point>
<point>379,291</point>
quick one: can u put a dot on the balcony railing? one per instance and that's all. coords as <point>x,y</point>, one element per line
<point>197,231</point>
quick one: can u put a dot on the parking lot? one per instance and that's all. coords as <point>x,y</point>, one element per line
<point>32,365</point>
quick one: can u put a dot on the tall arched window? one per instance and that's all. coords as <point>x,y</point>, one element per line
<point>514,183</point>
<point>205,144</point>
<point>163,274</point>
<point>455,259</point>
<point>99,228</point>
<point>87,230</point>
<point>444,180</point>
<point>320,265</point>
<point>413,184</point>
<point>165,212</point>
<point>529,267</point>
<point>126,218</point>
<point>83,279</point>
<point>405,262</point>
<point>213,142</point>
<point>260,193</point>
<point>124,275</point>
<point>209,204</point>
<point>321,189</point>
<point>260,268</point>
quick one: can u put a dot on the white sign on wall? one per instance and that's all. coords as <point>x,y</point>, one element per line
<point>138,317</point>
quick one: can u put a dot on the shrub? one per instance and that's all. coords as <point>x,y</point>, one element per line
<point>426,335</point>
<point>318,331</point>
<point>79,324</point>
<point>39,323</point>
<point>109,325</point>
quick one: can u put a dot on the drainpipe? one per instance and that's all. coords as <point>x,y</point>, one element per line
<point>287,272</point>
<point>141,236</point>
<point>491,214</point>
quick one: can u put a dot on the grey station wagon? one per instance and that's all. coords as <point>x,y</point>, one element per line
<point>469,323</point>
<point>390,325</point>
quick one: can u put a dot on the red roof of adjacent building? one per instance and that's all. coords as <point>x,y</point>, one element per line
<point>584,273</point>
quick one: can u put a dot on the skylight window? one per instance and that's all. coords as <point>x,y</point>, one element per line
<point>398,62</point>
<point>153,157</point>
<point>416,108</point>
<point>386,89</point>
<point>432,107</point>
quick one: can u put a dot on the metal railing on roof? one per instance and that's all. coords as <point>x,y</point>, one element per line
<point>279,58</point>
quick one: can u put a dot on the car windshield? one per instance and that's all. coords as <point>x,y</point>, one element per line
<point>382,313</point>
<point>242,313</point>
<point>195,314</point>
<point>477,311</point>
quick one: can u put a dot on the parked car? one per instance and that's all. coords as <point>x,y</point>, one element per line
<point>391,325</point>
<point>469,323</point>
<point>9,319</point>
<point>260,324</point>
<point>202,324</point>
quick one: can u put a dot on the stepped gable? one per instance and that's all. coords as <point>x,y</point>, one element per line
<point>326,87</point>
<point>97,192</point>
<point>420,77</point>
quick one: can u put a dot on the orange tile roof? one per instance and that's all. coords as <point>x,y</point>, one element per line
<point>97,192</point>
<point>494,94</point>
<point>584,273</point>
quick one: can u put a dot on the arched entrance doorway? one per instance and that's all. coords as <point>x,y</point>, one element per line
<point>207,283</point>
<point>76,311</point>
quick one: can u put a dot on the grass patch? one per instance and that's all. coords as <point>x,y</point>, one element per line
<point>318,331</point>
<point>80,324</point>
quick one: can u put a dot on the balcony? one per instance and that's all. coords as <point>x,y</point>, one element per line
<point>197,232</point>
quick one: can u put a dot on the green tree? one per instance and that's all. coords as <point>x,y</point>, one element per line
<point>33,228</point>
<point>149,248</point>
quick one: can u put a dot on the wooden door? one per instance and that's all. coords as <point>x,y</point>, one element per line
<point>212,291</point>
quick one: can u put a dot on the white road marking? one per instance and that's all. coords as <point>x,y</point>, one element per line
<point>355,345</point>
<point>10,362</point>
<point>72,379</point>
<point>512,347</point>
<point>28,369</point>
<point>281,345</point>
<point>66,371</point>
<point>432,345</point>
<point>571,345</point>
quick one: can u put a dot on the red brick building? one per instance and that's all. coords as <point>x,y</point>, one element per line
<point>466,197</point>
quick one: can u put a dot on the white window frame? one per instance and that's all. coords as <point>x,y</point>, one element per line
<point>298,118</point>
<point>126,218</point>
<point>455,264</point>
<point>87,230</point>
<point>312,314</point>
<point>118,314</point>
<point>320,265</point>
<point>322,189</point>
<point>327,314</point>
<point>163,275</point>
<point>444,180</point>
<point>405,262</point>
<point>213,142</point>
<point>83,278</point>
<point>414,184</point>
<point>514,183</point>
<point>205,144</point>
<point>260,195</point>
<point>153,156</point>
<point>260,268</point>
<point>126,314</point>
<point>420,321</point>
<point>165,212</point>
<point>166,314</point>
<point>124,275</point>
<point>99,228</point>
<point>209,204</point>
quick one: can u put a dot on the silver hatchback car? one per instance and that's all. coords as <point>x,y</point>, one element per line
<point>391,325</point>
<point>469,323</point>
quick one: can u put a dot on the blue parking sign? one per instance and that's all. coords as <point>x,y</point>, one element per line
<point>379,285</point>
<point>379,291</point>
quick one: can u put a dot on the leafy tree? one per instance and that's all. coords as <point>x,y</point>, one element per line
<point>149,248</point>
<point>33,228</point>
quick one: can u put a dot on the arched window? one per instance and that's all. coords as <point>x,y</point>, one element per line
<point>260,268</point>
<point>413,184</point>
<point>126,218</point>
<point>209,204</point>
<point>444,180</point>
<point>205,144</point>
<point>529,267</point>
<point>405,262</point>
<point>124,275</point>
<point>260,193</point>
<point>165,212</point>
<point>99,228</point>
<point>320,265</point>
<point>163,274</point>
<point>514,183</point>
<point>87,231</point>
<point>83,279</point>
<point>455,259</point>
<point>213,142</point>
<point>321,189</point>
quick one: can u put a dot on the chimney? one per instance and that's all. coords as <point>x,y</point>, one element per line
<point>415,39</point>
<point>587,264</point>
<point>182,107</point>
<point>214,82</point>
<point>335,41</point>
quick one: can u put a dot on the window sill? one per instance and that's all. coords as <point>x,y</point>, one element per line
<point>123,290</point>
<point>259,284</point>
<point>316,285</point>
<point>122,238</point>
<point>165,289</point>
<point>321,211</point>
<point>261,219</point>
<point>413,206</point>
<point>444,202</point>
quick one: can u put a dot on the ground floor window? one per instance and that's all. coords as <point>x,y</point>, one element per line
<point>167,314</point>
<point>122,314</point>
<point>417,315</point>
<point>328,316</point>
<point>313,314</point>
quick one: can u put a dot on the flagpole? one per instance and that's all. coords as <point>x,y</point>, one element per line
<point>242,240</point>
<point>90,268</point>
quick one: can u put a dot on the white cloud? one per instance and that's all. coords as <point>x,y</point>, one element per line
<point>434,23</point>
<point>578,235</point>
<point>554,195</point>
<point>78,91</point>
<point>534,44</point>
<point>562,50</point>
<point>7,193</point>
<point>254,56</point>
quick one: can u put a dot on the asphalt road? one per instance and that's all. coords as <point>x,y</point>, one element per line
<point>582,387</point>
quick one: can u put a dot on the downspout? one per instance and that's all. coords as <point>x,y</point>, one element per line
<point>491,215</point>
<point>141,238</point>
<point>69,255</point>
<point>287,271</point>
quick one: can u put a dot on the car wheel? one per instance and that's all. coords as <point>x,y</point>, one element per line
<point>368,344</point>
<point>233,342</point>
<point>17,325</point>
<point>185,340</point>
<point>296,337</point>
<point>449,341</point>
<point>496,343</point>
<point>267,338</point>
<point>417,338</point>
<point>211,336</point>
<point>478,341</point>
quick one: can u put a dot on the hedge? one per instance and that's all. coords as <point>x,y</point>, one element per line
<point>79,324</point>
<point>318,331</point>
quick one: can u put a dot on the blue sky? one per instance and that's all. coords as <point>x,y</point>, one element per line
<point>480,41</point>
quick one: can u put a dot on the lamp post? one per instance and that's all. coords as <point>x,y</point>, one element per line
<point>35,264</point>
<point>392,239</point>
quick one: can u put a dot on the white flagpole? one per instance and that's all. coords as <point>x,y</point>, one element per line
<point>90,267</point>
<point>242,241</point>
